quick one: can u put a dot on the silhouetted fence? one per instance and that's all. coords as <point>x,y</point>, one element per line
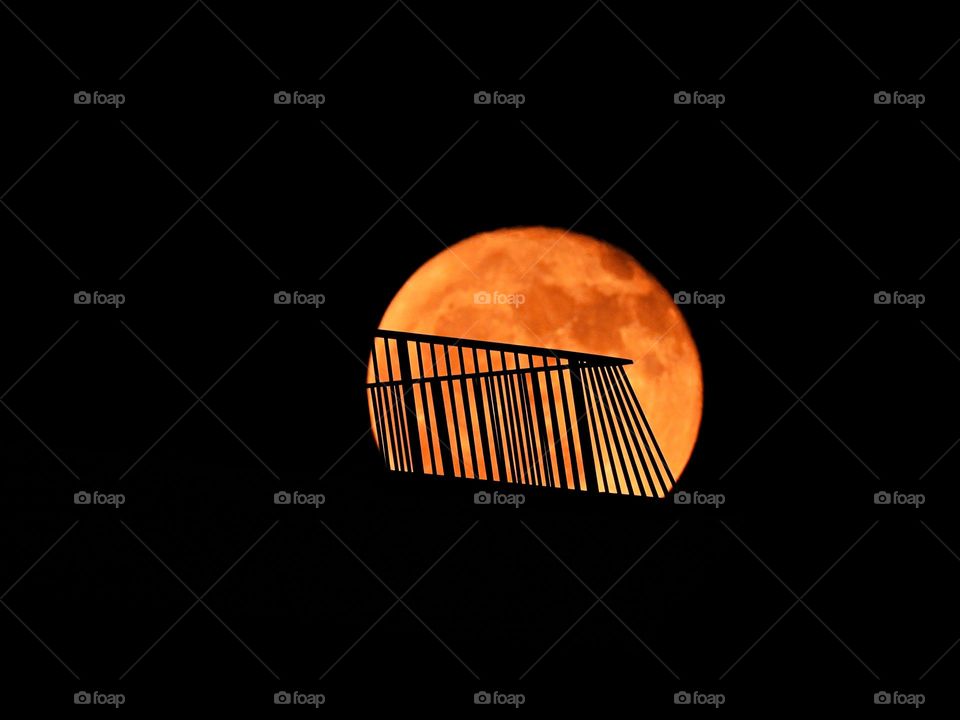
<point>512,414</point>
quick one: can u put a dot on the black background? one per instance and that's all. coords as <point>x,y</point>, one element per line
<point>695,613</point>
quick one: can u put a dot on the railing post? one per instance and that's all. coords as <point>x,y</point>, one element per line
<point>583,427</point>
<point>409,406</point>
<point>440,412</point>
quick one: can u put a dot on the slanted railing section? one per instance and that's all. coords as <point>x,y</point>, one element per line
<point>512,414</point>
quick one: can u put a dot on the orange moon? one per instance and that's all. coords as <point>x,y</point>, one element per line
<point>551,288</point>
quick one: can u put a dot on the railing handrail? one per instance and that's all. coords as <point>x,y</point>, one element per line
<point>503,347</point>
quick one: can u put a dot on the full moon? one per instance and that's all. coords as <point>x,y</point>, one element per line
<point>556,289</point>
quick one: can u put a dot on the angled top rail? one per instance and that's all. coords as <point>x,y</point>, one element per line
<point>505,347</point>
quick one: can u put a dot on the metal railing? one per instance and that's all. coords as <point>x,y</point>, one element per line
<point>512,414</point>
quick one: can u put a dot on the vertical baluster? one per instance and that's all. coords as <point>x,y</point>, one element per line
<point>556,448</point>
<point>443,428</point>
<point>589,448</point>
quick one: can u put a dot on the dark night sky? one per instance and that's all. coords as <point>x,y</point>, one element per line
<point>199,398</point>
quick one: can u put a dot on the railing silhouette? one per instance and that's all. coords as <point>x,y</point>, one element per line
<point>512,414</point>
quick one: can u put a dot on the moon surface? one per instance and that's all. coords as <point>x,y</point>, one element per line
<point>557,289</point>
